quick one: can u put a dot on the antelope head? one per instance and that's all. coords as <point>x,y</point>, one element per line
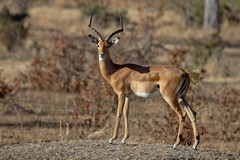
<point>104,44</point>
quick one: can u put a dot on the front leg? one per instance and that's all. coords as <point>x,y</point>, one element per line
<point>118,117</point>
<point>125,115</point>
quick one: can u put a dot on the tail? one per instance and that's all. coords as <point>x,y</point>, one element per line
<point>182,97</point>
<point>184,86</point>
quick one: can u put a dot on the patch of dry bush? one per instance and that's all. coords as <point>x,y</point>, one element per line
<point>12,29</point>
<point>7,90</point>
<point>228,107</point>
<point>68,68</point>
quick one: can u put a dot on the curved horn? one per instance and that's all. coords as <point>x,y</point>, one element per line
<point>92,29</point>
<point>117,31</point>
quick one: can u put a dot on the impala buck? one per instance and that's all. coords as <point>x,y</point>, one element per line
<point>126,79</point>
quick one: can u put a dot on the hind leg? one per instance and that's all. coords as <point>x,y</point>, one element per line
<point>181,116</point>
<point>192,115</point>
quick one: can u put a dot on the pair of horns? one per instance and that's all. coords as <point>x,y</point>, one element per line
<point>112,34</point>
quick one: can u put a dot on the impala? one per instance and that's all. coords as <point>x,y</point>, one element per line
<point>126,79</point>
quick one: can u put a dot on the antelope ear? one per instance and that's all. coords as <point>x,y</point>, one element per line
<point>93,39</point>
<point>113,41</point>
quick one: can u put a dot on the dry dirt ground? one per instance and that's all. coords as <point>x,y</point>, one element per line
<point>34,123</point>
<point>99,149</point>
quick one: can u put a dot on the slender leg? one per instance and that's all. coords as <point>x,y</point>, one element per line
<point>125,115</point>
<point>192,115</point>
<point>180,129</point>
<point>118,117</point>
<point>175,106</point>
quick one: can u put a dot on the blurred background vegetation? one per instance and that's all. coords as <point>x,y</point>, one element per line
<point>44,44</point>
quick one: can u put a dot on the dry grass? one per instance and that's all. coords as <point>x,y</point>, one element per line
<point>64,96</point>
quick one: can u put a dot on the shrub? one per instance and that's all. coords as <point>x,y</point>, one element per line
<point>102,13</point>
<point>12,29</point>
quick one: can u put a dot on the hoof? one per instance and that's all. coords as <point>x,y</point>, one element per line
<point>174,146</point>
<point>123,141</point>
<point>110,141</point>
<point>194,147</point>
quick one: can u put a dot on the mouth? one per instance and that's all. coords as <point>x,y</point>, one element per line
<point>101,57</point>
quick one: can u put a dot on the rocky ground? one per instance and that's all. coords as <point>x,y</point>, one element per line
<point>56,57</point>
<point>99,149</point>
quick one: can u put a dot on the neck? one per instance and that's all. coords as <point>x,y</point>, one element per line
<point>107,67</point>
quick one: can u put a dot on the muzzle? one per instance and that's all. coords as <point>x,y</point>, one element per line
<point>102,57</point>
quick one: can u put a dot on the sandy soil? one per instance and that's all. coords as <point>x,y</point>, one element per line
<point>34,121</point>
<point>88,149</point>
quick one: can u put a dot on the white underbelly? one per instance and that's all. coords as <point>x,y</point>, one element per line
<point>147,95</point>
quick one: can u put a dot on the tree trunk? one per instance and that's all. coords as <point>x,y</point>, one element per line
<point>212,14</point>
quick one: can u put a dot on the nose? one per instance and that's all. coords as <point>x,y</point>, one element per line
<point>102,55</point>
